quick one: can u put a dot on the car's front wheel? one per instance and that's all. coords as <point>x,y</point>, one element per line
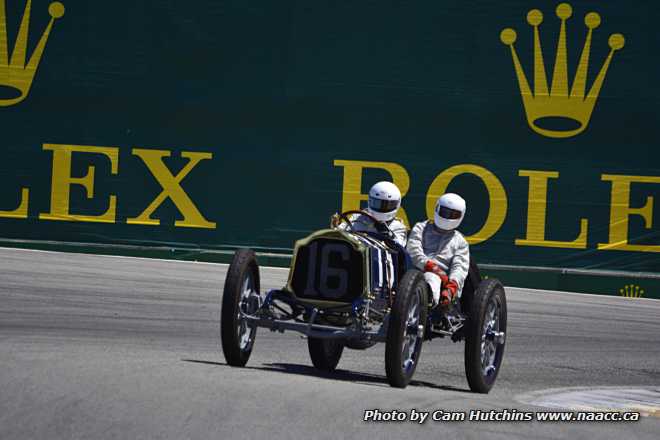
<point>240,297</point>
<point>485,335</point>
<point>405,331</point>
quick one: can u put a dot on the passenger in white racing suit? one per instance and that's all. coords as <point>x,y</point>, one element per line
<point>438,249</point>
<point>384,202</point>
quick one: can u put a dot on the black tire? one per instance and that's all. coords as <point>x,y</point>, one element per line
<point>359,344</point>
<point>412,292</point>
<point>481,374</point>
<point>325,353</point>
<point>236,350</point>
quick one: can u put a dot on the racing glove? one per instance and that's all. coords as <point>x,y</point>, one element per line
<point>448,293</point>
<point>432,266</point>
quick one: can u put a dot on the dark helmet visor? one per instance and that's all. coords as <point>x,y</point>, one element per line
<point>379,205</point>
<point>448,213</point>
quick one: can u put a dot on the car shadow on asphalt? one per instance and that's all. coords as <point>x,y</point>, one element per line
<point>341,375</point>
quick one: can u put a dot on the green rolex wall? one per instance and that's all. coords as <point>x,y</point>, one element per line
<point>216,124</point>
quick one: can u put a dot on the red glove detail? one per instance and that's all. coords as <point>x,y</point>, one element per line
<point>429,266</point>
<point>445,298</point>
<point>432,266</point>
<point>448,292</point>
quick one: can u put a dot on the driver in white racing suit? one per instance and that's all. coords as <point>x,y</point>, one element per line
<point>384,202</point>
<point>438,249</point>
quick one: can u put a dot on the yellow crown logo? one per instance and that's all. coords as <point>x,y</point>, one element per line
<point>14,73</point>
<point>558,103</point>
<point>631,291</point>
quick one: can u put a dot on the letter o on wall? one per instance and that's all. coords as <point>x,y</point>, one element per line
<point>496,195</point>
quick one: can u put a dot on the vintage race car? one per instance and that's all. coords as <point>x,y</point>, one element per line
<point>349,289</point>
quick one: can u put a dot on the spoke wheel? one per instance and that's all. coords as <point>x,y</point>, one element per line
<point>240,298</point>
<point>486,336</point>
<point>405,332</point>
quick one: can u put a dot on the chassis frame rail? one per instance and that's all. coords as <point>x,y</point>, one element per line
<point>356,331</point>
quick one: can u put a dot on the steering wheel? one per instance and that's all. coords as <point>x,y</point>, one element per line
<point>344,217</point>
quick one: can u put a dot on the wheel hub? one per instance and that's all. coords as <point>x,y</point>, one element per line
<point>413,331</point>
<point>248,305</point>
<point>491,339</point>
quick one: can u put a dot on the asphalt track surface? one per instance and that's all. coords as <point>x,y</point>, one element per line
<point>101,347</point>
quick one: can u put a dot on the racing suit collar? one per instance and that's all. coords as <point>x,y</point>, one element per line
<point>439,231</point>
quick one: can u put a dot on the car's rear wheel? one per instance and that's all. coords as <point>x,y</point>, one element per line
<point>359,344</point>
<point>472,282</point>
<point>405,331</point>
<point>485,335</point>
<point>325,353</point>
<point>240,297</point>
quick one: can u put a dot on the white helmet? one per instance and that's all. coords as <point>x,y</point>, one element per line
<point>449,211</point>
<point>384,201</point>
